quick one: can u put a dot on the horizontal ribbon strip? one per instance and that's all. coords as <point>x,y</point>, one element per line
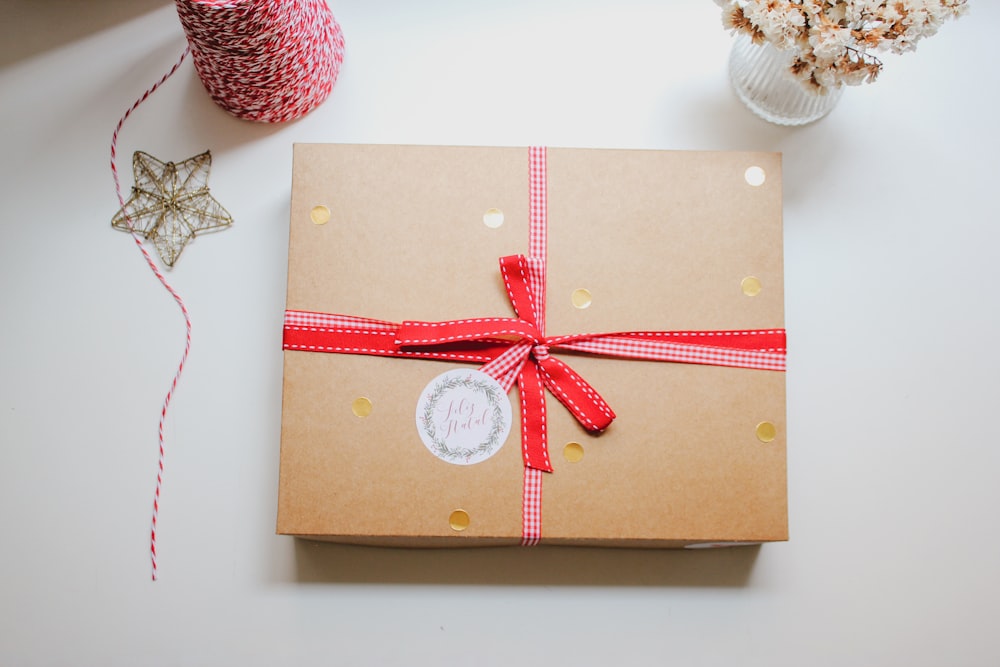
<point>308,331</point>
<point>506,344</point>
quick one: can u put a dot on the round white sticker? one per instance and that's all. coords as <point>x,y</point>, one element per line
<point>463,416</point>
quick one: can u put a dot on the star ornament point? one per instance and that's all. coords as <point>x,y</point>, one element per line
<point>170,203</point>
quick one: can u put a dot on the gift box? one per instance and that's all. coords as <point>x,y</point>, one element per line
<point>616,380</point>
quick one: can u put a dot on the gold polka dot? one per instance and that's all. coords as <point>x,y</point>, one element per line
<point>581,298</point>
<point>751,286</point>
<point>755,176</point>
<point>573,452</point>
<point>320,214</point>
<point>493,218</point>
<point>766,432</point>
<point>459,520</point>
<point>362,407</point>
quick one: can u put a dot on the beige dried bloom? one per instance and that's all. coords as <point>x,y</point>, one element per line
<point>833,40</point>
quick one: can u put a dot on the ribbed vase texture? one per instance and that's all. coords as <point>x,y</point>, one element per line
<point>761,78</point>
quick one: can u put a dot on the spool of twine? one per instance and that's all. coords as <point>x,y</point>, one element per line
<point>264,60</point>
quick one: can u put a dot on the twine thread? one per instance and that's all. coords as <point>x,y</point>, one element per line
<point>173,293</point>
<point>262,60</point>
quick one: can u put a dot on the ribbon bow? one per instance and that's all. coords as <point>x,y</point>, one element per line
<point>526,341</point>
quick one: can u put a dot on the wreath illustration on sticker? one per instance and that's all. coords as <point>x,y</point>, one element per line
<point>463,416</point>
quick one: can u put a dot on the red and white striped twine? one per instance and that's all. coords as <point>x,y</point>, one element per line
<point>173,293</point>
<point>262,60</point>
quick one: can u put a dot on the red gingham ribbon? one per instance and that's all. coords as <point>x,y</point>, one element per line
<point>545,372</point>
<point>505,345</point>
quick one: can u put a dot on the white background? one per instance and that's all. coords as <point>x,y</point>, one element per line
<point>891,248</point>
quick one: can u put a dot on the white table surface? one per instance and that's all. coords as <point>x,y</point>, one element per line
<point>892,275</point>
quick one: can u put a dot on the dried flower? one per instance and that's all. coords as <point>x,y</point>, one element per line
<point>833,40</point>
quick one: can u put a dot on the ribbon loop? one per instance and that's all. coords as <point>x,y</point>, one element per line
<point>502,329</point>
<point>517,280</point>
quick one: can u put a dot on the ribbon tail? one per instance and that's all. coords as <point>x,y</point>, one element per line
<point>531,508</point>
<point>582,400</point>
<point>534,445</point>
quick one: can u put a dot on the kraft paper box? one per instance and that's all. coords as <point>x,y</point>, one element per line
<point>660,241</point>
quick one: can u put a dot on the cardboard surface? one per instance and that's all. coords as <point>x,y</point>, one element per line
<point>662,240</point>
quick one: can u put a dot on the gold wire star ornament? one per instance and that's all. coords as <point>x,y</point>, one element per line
<point>170,203</point>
